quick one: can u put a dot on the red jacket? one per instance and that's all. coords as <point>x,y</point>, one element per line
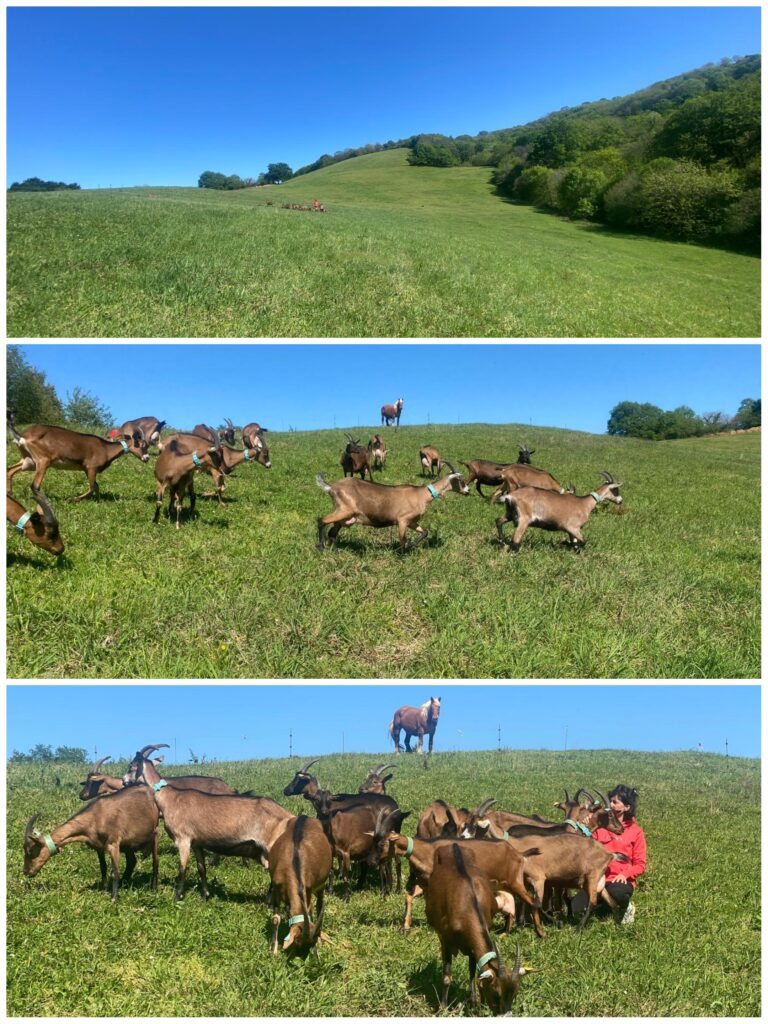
<point>632,844</point>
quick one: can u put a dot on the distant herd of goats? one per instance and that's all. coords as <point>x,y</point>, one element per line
<point>532,496</point>
<point>469,864</point>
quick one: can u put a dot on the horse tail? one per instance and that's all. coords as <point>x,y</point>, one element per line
<point>391,729</point>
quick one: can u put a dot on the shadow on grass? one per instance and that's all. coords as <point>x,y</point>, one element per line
<point>40,564</point>
<point>428,982</point>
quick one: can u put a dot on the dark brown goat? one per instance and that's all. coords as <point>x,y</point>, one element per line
<point>175,468</point>
<point>123,822</point>
<point>299,865</point>
<point>39,526</point>
<point>376,780</point>
<point>532,506</point>
<point>378,505</point>
<point>45,448</point>
<point>356,459</point>
<point>460,904</point>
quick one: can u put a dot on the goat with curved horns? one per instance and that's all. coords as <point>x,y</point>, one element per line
<point>377,505</point>
<point>40,527</point>
<point>532,506</point>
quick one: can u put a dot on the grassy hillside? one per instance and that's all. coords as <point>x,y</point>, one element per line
<point>402,252</point>
<point>694,949</point>
<point>668,586</point>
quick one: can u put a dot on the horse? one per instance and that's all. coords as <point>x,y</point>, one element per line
<point>390,413</point>
<point>415,722</point>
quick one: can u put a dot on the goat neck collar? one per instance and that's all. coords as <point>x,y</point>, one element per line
<point>126,449</point>
<point>159,785</point>
<point>196,459</point>
<point>45,837</point>
<point>408,846</point>
<point>23,521</point>
<point>596,496</point>
<point>246,456</point>
<point>486,958</point>
<point>435,493</point>
<point>297,919</point>
<point>580,826</point>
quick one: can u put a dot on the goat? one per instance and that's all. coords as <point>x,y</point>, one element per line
<point>515,476</point>
<point>376,781</point>
<point>121,822</point>
<point>460,904</point>
<point>392,412</point>
<point>149,425</point>
<point>243,825</point>
<point>40,526</point>
<point>350,830</point>
<point>44,447</point>
<point>224,434</point>
<point>202,783</point>
<point>175,468</point>
<point>253,435</point>
<point>96,783</point>
<point>378,452</point>
<point>498,859</point>
<point>299,865</point>
<point>431,461</point>
<point>532,506</point>
<point>377,505</point>
<point>481,471</point>
<point>356,459</point>
<point>230,458</point>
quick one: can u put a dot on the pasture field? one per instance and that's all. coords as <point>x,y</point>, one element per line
<point>402,252</point>
<point>694,949</point>
<point>667,587</point>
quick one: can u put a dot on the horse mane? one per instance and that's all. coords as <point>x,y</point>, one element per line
<point>425,706</point>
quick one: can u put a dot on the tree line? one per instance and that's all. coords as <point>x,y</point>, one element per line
<point>275,174</point>
<point>34,399</point>
<point>650,422</point>
<point>43,752</point>
<point>38,185</point>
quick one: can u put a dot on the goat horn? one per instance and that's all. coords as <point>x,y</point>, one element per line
<point>382,768</point>
<point>578,793</point>
<point>309,765</point>
<point>229,423</point>
<point>28,827</point>
<point>606,803</point>
<point>95,767</point>
<point>485,805</point>
<point>152,747</point>
<point>518,962</point>
<point>49,516</point>
<point>567,798</point>
<point>608,478</point>
<point>450,465</point>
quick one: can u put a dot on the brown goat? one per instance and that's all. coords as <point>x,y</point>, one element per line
<point>376,780</point>
<point>150,426</point>
<point>299,865</point>
<point>431,461</point>
<point>175,468</point>
<point>532,506</point>
<point>45,447</point>
<point>356,459</point>
<point>460,904</point>
<point>378,452</point>
<point>253,435</point>
<point>481,471</point>
<point>40,526</point>
<point>96,783</point>
<point>377,505</point>
<point>242,825</point>
<point>121,822</point>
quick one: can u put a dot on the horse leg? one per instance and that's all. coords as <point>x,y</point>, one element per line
<point>420,742</point>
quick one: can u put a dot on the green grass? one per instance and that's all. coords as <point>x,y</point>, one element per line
<point>667,587</point>
<point>694,949</point>
<point>402,252</point>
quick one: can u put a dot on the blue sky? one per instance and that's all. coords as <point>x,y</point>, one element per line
<point>129,96</point>
<point>244,722</point>
<point>305,387</point>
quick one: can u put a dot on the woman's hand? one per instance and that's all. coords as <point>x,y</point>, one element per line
<point>620,878</point>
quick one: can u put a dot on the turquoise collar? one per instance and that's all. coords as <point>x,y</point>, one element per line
<point>23,521</point>
<point>246,456</point>
<point>593,494</point>
<point>196,459</point>
<point>126,449</point>
<point>433,492</point>
<point>159,785</point>
<point>409,847</point>
<point>580,826</point>
<point>297,919</point>
<point>482,962</point>
<point>44,837</point>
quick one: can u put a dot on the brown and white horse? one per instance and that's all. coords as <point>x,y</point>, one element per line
<point>415,722</point>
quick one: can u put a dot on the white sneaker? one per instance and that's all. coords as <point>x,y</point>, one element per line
<point>629,914</point>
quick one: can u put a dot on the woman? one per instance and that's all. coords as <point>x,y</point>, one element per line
<point>620,876</point>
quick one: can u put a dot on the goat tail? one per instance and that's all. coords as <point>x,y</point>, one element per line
<point>322,483</point>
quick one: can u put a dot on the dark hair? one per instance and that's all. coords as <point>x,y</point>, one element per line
<point>627,796</point>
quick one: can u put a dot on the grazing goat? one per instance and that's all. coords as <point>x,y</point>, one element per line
<point>431,461</point>
<point>378,452</point>
<point>498,859</point>
<point>149,425</point>
<point>299,865</point>
<point>40,526</point>
<point>392,412</point>
<point>253,435</point>
<point>356,459</point>
<point>45,447</point>
<point>242,825</point>
<point>175,468</point>
<point>377,505</point>
<point>121,822</point>
<point>532,506</point>
<point>460,904</point>
<point>481,471</point>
